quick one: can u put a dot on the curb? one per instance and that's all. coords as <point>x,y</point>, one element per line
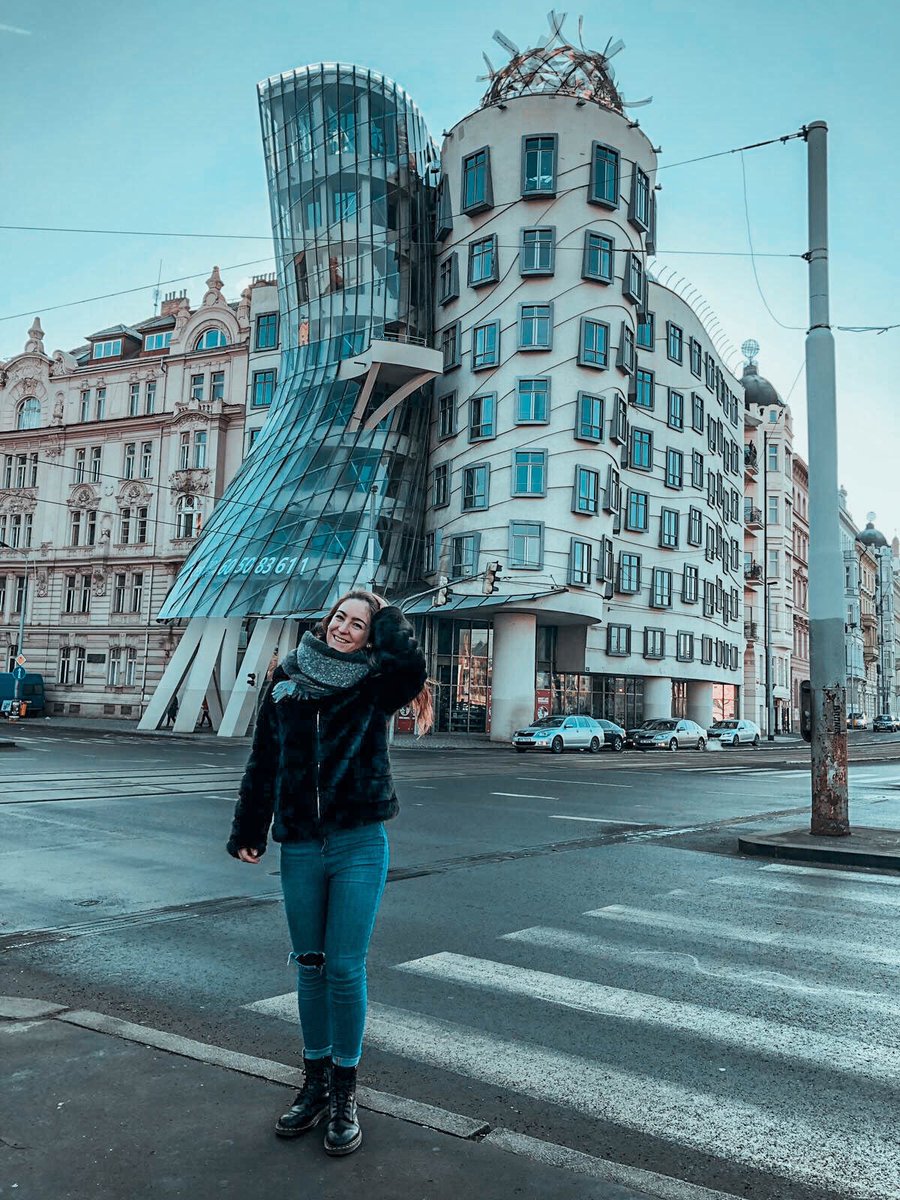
<point>652,1185</point>
<point>801,846</point>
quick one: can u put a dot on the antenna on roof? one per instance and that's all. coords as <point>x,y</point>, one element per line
<point>156,291</point>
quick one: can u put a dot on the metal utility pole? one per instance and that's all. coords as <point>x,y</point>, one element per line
<point>828,674</point>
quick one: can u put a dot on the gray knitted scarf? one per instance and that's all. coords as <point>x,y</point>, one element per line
<point>314,670</point>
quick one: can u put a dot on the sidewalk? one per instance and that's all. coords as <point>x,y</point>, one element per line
<point>866,846</point>
<point>94,1106</point>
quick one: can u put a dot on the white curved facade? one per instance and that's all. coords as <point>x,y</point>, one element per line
<point>559,447</point>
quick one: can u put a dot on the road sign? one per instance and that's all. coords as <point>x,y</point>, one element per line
<point>20,659</point>
<point>19,673</point>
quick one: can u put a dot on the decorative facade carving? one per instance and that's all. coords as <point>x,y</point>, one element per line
<point>134,493</point>
<point>84,496</point>
<point>35,343</point>
<point>193,482</point>
<point>214,290</point>
<point>18,500</point>
<point>43,583</point>
<point>99,581</point>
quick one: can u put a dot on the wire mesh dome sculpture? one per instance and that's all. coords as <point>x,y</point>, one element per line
<point>554,66</point>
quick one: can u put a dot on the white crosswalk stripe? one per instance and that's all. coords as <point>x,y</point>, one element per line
<point>795,999</point>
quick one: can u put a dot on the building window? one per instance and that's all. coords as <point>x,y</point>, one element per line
<point>619,425</point>
<point>464,555</point>
<point>267,331</point>
<point>80,462</point>
<point>668,529</point>
<point>128,461</point>
<point>187,518</point>
<point>643,388</point>
<point>96,462</point>
<point>114,667</point>
<point>450,346</point>
<point>696,353</point>
<point>485,345</point>
<point>440,488</point>
<point>482,417</point>
<point>772,461</point>
<point>535,326</point>
<point>430,553</point>
<point>674,468</point>
<point>483,264</point>
<point>134,399</point>
<point>586,497</point>
<point>64,672</point>
<point>533,401</point>
<point>589,423</point>
<point>108,349</point>
<point>539,165</point>
<point>84,406</point>
<point>697,470</point>
<point>150,397</point>
<point>661,588</point>
<point>448,279</point>
<point>477,193</point>
<point>604,182</point>
<point>697,412</point>
<point>211,339</point>
<point>446,416</point>
<point>263,388</point>
<point>684,647</point>
<point>476,487</point>
<point>100,404</point>
<point>625,356</point>
<point>443,223</point>
<point>706,650</point>
<point>137,591</point>
<point>690,580</point>
<point>141,525</point>
<point>646,331</point>
<point>529,472</point>
<point>772,518</point>
<point>28,413</point>
<point>676,410</point>
<point>184,452</point>
<point>641,450</point>
<point>146,459</point>
<point>633,278</point>
<point>579,563</point>
<point>119,593</point>
<point>200,437</point>
<point>593,344</point>
<point>217,386</point>
<point>629,574</point>
<point>598,262</point>
<point>618,640</point>
<point>675,341</point>
<point>158,341</point>
<point>636,515</point>
<point>773,565</point>
<point>84,603</point>
<point>526,545</point>
<point>196,389</point>
<point>654,643</point>
<point>639,208</point>
<point>537,252</point>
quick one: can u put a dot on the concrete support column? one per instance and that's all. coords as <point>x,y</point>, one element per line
<point>700,702</point>
<point>512,675</point>
<point>657,697</point>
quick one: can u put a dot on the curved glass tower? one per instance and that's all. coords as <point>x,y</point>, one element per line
<point>328,498</point>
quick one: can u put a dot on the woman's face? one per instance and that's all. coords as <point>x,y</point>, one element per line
<point>348,629</point>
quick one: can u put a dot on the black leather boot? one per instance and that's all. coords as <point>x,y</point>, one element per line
<point>343,1134</point>
<point>311,1102</point>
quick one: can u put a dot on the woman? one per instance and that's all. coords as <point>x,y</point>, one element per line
<point>320,773</point>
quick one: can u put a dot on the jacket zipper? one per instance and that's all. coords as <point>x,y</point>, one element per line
<point>318,806</point>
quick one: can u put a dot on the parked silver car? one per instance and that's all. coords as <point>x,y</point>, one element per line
<point>733,732</point>
<point>670,733</point>
<point>560,733</point>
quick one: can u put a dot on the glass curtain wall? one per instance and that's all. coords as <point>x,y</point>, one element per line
<point>351,175</point>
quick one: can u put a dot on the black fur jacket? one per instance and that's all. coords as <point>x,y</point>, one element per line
<point>317,766</point>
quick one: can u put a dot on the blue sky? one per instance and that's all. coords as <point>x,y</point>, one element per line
<point>144,117</point>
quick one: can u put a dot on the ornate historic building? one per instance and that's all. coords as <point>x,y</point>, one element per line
<point>112,457</point>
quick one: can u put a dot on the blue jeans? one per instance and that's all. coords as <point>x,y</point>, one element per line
<point>332,889</point>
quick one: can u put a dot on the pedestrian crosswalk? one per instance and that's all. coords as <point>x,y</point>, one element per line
<point>750,1019</point>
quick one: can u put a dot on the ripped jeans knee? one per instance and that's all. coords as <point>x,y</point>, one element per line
<point>312,961</point>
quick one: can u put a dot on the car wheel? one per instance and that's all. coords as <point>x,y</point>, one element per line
<point>557,745</point>
<point>701,744</point>
<point>755,741</point>
<point>735,741</point>
<point>673,745</point>
<point>595,745</point>
<point>617,744</point>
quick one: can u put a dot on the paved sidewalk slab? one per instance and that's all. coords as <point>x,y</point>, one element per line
<point>865,847</point>
<point>85,1113</point>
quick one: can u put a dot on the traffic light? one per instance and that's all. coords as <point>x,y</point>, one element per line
<point>251,679</point>
<point>444,591</point>
<point>806,712</point>
<point>490,578</point>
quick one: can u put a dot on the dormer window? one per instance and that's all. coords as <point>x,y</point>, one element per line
<point>109,349</point>
<point>211,339</point>
<point>157,341</point>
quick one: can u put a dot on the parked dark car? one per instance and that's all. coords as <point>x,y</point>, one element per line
<point>886,723</point>
<point>614,735</point>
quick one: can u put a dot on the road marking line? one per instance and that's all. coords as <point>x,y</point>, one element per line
<point>854,1001</point>
<point>833,873</point>
<point>692,926</point>
<point>808,888</point>
<point>572,782</point>
<point>603,820</point>
<point>773,1039</point>
<point>523,796</point>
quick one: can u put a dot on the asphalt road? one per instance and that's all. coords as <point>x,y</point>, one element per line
<point>570,946</point>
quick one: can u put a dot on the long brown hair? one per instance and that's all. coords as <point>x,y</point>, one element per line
<point>422,705</point>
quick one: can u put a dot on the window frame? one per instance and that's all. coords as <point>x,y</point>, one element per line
<point>535,347</point>
<point>484,201</point>
<point>476,499</point>
<point>479,360</point>
<point>581,565</point>
<point>526,565</point>
<point>538,192</point>
<point>614,157</point>
<point>637,508</point>
<point>448,279</point>
<point>654,650</point>
<point>618,640</point>
<point>490,425</point>
<point>477,250</point>
<point>646,438</point>
<point>515,491</point>
<point>585,324</point>
<point>267,320</point>
<point>547,392</point>
<point>674,338</point>
<point>606,248</point>
<point>539,270</point>
<point>586,500</point>
<point>584,430</point>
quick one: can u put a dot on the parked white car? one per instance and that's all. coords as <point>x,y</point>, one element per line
<point>560,733</point>
<point>735,732</point>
